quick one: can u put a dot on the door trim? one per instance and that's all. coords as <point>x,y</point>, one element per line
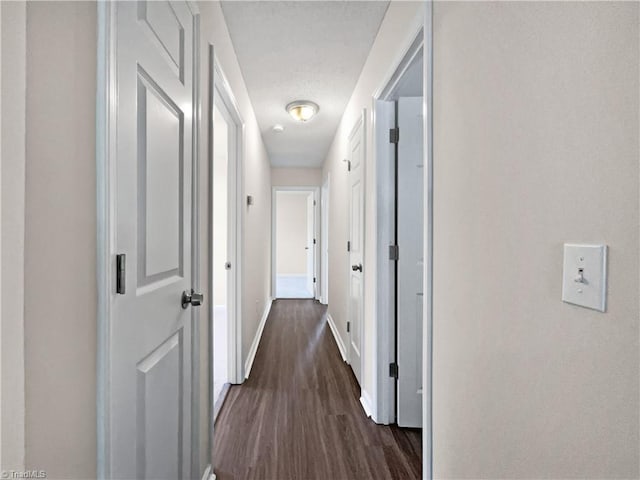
<point>106,147</point>
<point>316,231</point>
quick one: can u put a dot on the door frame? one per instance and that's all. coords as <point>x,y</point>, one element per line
<point>218,82</point>
<point>106,147</point>
<point>384,158</point>
<point>419,37</point>
<point>316,211</point>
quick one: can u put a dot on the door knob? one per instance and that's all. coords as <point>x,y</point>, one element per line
<point>356,268</point>
<point>190,297</point>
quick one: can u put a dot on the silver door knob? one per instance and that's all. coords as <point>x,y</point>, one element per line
<point>191,298</point>
<point>356,268</point>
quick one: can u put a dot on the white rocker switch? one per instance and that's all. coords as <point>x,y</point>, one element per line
<point>584,278</point>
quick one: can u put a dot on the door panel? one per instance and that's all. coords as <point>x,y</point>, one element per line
<point>166,30</point>
<point>151,334</point>
<point>356,236</point>
<point>410,263</point>
<point>160,166</point>
<point>160,381</point>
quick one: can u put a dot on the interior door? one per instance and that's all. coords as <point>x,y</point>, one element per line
<point>311,248</point>
<point>324,242</point>
<point>151,333</point>
<point>410,262</point>
<point>356,247</point>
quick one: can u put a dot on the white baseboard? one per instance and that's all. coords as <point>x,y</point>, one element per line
<point>208,474</point>
<point>336,335</point>
<point>365,401</point>
<point>256,340</point>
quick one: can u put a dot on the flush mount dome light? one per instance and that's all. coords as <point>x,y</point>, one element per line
<point>302,110</point>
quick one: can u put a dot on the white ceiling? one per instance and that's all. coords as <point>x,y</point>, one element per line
<point>301,50</point>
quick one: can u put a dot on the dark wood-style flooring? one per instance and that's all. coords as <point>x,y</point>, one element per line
<point>298,416</point>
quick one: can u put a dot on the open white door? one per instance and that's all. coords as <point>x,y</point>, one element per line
<point>410,261</point>
<point>150,339</point>
<point>356,246</point>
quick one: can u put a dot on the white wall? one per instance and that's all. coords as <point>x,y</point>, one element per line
<point>296,177</point>
<point>12,141</point>
<point>535,144</point>
<point>291,233</point>
<point>395,33</point>
<point>60,241</point>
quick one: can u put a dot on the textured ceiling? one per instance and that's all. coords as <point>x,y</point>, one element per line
<point>301,50</point>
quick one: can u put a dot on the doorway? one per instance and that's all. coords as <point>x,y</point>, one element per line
<point>294,242</point>
<point>399,143</point>
<point>225,149</point>
<point>224,159</point>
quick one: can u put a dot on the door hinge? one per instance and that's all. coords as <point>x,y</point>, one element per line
<point>394,252</point>
<point>348,327</point>
<point>314,203</point>
<point>121,273</point>
<point>348,246</point>
<point>394,135</point>
<point>393,370</point>
<point>314,279</point>
<point>314,241</point>
<point>348,165</point>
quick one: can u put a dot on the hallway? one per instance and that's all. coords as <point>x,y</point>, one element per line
<point>298,415</point>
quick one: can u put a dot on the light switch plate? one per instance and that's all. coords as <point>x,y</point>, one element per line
<point>584,278</point>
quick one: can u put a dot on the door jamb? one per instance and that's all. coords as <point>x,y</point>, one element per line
<point>316,230</point>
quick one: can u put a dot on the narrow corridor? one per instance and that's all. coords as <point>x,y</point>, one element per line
<point>298,416</point>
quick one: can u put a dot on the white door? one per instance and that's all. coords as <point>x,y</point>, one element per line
<point>150,403</point>
<point>410,262</point>
<point>324,242</point>
<point>356,247</point>
<point>311,248</point>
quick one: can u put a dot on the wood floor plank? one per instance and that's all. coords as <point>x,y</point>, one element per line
<point>298,416</point>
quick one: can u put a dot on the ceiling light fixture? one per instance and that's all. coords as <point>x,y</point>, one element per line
<point>278,128</point>
<point>302,110</point>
